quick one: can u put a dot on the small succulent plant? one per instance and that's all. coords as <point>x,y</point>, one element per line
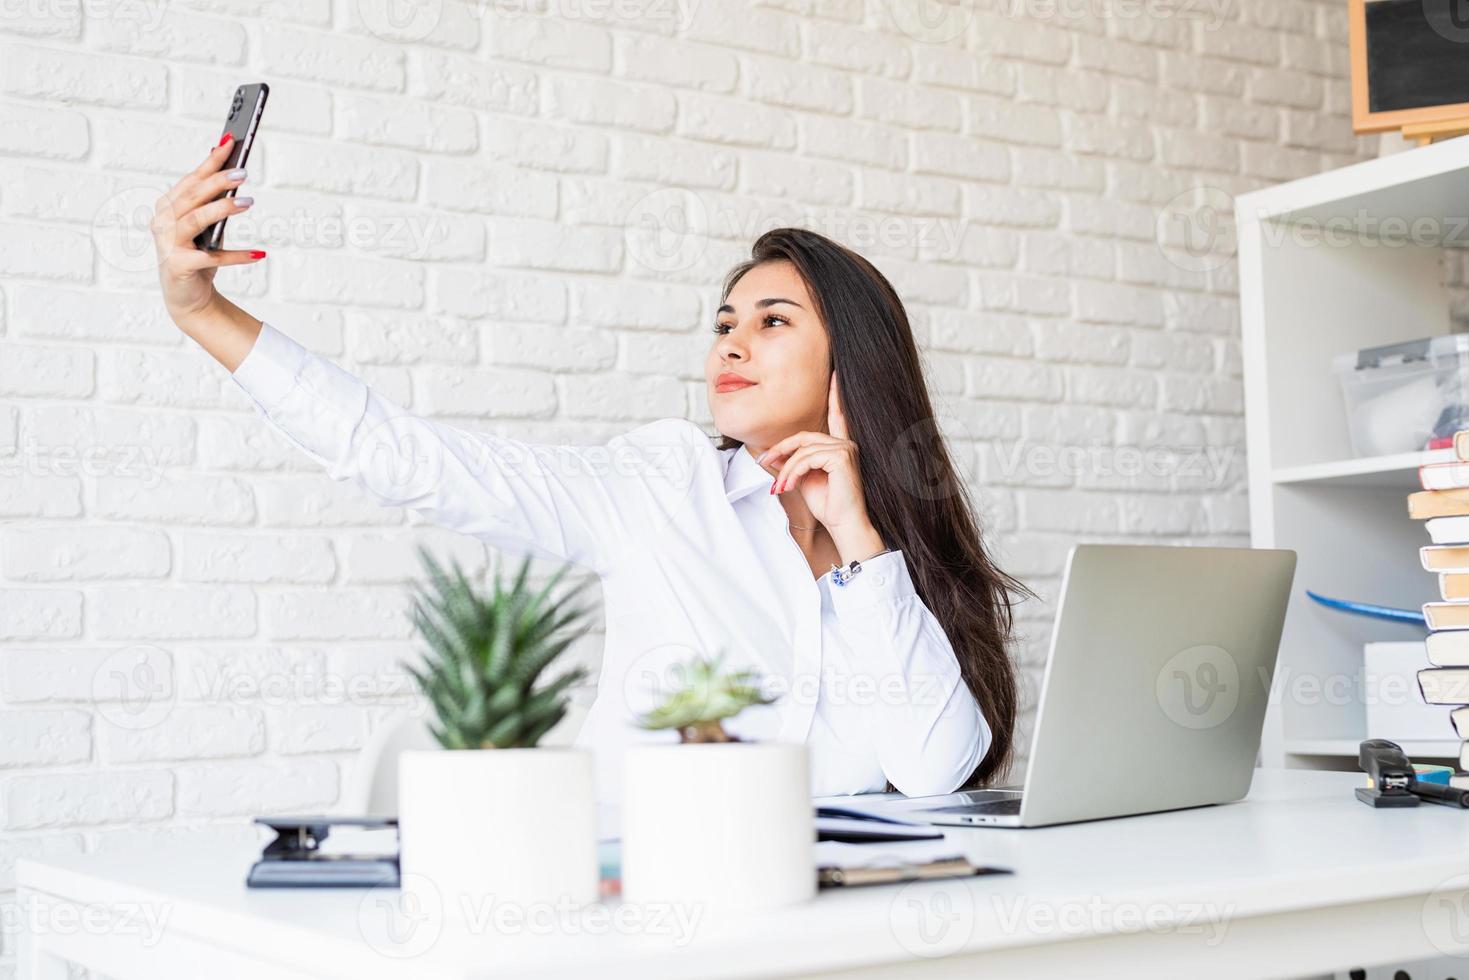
<point>706,697</point>
<point>487,654</point>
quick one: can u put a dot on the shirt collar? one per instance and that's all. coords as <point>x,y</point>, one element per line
<point>742,475</point>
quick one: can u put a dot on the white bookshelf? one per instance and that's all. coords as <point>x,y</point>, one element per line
<point>1304,300</point>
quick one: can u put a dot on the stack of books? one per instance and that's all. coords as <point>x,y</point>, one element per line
<point>1443,506</point>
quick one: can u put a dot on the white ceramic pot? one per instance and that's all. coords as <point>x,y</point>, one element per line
<point>723,825</point>
<point>508,825</point>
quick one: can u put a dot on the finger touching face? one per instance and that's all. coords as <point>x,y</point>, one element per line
<point>768,367</point>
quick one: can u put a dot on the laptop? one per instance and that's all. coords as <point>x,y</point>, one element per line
<point>1154,691</point>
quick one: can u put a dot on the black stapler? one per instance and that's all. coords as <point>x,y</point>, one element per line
<point>295,859</point>
<point>1395,782</point>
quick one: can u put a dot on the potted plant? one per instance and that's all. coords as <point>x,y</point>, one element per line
<point>496,815</point>
<point>713,820</point>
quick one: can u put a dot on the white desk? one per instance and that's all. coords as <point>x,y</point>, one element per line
<point>1300,878</point>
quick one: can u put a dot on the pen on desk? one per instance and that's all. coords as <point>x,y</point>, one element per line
<point>1441,794</point>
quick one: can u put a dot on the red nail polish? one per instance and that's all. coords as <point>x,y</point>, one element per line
<point>223,140</point>
<point>256,254</point>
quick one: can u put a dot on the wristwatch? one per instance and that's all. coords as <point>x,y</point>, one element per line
<point>841,576</point>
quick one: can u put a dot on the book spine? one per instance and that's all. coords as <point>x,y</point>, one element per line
<point>1443,476</point>
<point>1444,685</point>
<point>1459,718</point>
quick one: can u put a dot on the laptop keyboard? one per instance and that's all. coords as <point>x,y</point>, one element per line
<point>997,808</point>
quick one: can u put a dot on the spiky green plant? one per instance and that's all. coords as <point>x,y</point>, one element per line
<point>707,696</point>
<point>486,654</point>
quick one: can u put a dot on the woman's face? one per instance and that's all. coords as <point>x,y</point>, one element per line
<point>768,332</point>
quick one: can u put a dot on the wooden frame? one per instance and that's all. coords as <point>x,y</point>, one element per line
<point>1364,120</point>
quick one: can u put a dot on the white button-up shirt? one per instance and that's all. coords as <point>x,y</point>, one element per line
<point>695,559</point>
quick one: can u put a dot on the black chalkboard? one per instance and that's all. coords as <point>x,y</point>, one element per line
<point>1417,53</point>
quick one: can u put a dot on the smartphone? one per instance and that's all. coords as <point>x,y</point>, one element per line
<point>245,110</point>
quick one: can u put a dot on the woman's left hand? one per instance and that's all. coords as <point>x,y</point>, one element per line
<point>823,468</point>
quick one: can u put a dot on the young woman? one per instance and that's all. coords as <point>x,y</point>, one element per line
<point>826,541</point>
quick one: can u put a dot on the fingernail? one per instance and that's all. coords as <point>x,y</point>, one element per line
<point>244,202</point>
<point>223,140</point>
<point>237,174</point>
<point>255,254</point>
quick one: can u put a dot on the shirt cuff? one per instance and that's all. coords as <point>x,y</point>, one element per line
<point>269,370</point>
<point>883,578</point>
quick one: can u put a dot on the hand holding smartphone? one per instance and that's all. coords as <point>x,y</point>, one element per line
<point>188,234</point>
<point>246,108</point>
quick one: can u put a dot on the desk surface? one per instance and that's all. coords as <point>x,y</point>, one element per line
<point>1299,842</point>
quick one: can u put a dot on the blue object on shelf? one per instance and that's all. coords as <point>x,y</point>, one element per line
<point>1390,613</point>
<point>609,859</point>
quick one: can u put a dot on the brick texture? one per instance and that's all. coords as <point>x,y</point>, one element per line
<point>197,626</point>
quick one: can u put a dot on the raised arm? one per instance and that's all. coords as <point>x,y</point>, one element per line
<point>573,503</point>
<point>583,504</point>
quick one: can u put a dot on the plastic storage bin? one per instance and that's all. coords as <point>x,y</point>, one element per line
<point>1395,707</point>
<point>1401,396</point>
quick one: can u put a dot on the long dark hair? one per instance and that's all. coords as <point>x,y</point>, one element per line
<point>915,498</point>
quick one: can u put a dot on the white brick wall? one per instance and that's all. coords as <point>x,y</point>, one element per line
<point>459,208</point>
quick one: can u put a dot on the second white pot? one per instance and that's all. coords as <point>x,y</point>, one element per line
<point>512,825</point>
<point>723,825</point>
